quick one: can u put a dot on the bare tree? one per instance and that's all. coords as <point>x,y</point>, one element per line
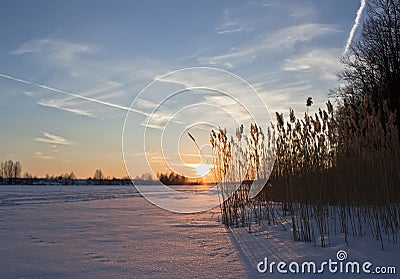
<point>99,176</point>
<point>2,170</point>
<point>146,176</point>
<point>10,170</point>
<point>72,176</point>
<point>372,65</point>
<point>17,169</point>
<point>27,175</point>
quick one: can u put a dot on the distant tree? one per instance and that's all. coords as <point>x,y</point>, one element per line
<point>68,178</point>
<point>372,65</point>
<point>72,176</point>
<point>11,170</point>
<point>99,176</point>
<point>17,170</point>
<point>27,175</point>
<point>173,179</point>
<point>146,176</point>
<point>8,169</point>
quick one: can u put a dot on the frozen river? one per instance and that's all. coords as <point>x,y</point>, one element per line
<point>107,232</point>
<point>112,232</point>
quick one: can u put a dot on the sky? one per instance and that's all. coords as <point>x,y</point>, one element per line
<point>73,76</point>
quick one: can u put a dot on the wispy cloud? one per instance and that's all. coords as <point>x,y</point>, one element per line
<point>106,90</point>
<point>303,10</point>
<point>81,72</point>
<point>59,104</point>
<point>215,95</point>
<point>43,156</point>
<point>283,39</point>
<point>145,103</point>
<point>52,89</point>
<point>230,27</point>
<point>159,119</point>
<point>54,148</point>
<point>105,87</point>
<point>321,61</point>
<point>355,26</point>
<point>71,65</point>
<point>62,51</point>
<point>293,35</point>
<point>53,139</point>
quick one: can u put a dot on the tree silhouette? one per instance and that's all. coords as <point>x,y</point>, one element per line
<point>173,179</point>
<point>372,65</point>
<point>99,176</point>
<point>10,170</point>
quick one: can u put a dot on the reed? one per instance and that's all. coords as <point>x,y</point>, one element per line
<point>333,172</point>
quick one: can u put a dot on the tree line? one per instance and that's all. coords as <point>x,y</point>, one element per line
<point>11,173</point>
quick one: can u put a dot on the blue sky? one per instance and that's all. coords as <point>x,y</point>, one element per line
<point>110,50</point>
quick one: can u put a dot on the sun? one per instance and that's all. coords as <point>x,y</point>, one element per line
<point>201,169</point>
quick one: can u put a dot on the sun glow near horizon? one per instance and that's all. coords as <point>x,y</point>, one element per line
<point>202,169</point>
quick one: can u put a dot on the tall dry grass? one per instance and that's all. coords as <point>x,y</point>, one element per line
<point>332,173</point>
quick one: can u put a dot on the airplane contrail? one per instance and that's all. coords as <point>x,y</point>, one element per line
<point>355,26</point>
<point>72,94</point>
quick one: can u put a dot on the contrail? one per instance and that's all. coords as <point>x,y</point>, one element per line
<point>355,26</point>
<point>72,94</point>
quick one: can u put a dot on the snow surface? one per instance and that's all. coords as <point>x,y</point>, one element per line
<point>112,232</point>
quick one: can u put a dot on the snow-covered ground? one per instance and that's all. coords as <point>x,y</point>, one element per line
<point>112,232</point>
<point>277,245</point>
<point>107,232</point>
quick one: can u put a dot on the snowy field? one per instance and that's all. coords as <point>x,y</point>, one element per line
<point>112,232</point>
